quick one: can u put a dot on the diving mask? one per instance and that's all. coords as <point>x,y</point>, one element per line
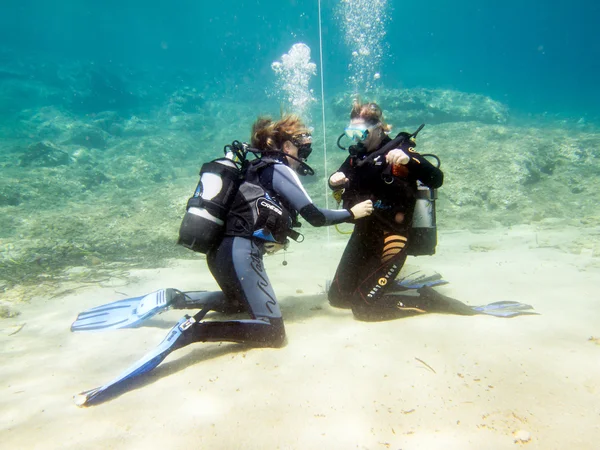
<point>359,132</point>
<point>304,145</point>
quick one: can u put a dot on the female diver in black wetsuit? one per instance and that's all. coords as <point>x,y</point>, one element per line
<point>263,212</point>
<point>378,246</point>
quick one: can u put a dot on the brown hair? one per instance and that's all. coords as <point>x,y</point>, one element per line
<point>369,112</point>
<point>270,135</point>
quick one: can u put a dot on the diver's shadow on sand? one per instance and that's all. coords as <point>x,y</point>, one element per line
<point>299,308</point>
<point>294,309</point>
<point>196,356</point>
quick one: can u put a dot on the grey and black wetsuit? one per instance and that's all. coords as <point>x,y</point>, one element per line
<point>378,246</point>
<point>237,262</point>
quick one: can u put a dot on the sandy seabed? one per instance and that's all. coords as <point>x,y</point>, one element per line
<point>427,382</point>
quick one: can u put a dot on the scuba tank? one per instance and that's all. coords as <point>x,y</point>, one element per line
<point>422,236</point>
<point>203,224</point>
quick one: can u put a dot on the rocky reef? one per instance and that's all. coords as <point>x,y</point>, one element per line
<point>432,106</point>
<point>97,165</point>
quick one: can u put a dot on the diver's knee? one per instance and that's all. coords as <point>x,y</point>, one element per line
<point>339,303</point>
<point>276,337</point>
<point>364,313</point>
<point>337,299</point>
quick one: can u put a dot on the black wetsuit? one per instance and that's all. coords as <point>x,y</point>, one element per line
<point>377,248</point>
<point>237,265</point>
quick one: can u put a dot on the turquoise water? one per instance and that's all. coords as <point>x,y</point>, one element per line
<point>532,56</point>
<point>108,109</point>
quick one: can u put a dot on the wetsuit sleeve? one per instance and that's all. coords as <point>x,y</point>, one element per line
<point>287,185</point>
<point>424,171</point>
<point>345,168</point>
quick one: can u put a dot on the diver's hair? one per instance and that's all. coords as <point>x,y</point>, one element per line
<point>271,135</point>
<point>370,112</point>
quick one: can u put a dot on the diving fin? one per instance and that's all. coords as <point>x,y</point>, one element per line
<point>174,340</point>
<point>127,313</point>
<point>417,280</point>
<point>505,309</point>
<point>431,301</point>
<point>131,312</point>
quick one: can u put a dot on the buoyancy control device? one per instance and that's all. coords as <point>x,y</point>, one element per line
<point>203,224</point>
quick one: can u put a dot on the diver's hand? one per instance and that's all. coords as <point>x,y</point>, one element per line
<point>337,179</point>
<point>272,247</point>
<point>396,156</point>
<point>362,209</point>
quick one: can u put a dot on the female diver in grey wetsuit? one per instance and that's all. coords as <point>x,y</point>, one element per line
<point>260,221</point>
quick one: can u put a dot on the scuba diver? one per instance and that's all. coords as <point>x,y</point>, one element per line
<point>401,183</point>
<point>260,220</point>
<point>387,173</point>
<point>259,205</point>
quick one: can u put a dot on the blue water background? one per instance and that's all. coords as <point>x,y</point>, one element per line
<point>534,56</point>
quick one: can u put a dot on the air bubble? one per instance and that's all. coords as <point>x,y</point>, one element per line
<point>294,73</point>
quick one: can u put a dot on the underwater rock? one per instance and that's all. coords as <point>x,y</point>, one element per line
<point>105,120</point>
<point>185,101</point>
<point>92,177</point>
<point>89,137</point>
<point>44,154</point>
<point>133,127</point>
<point>46,123</point>
<point>7,311</point>
<point>431,106</point>
<point>21,90</point>
<point>54,124</point>
<point>10,194</point>
<point>96,89</point>
<point>187,110</point>
<point>501,174</point>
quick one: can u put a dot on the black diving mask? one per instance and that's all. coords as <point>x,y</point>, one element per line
<point>304,151</point>
<point>303,143</point>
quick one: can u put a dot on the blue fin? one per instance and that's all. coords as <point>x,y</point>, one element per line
<point>144,365</point>
<point>127,313</point>
<point>418,280</point>
<point>131,312</point>
<point>504,309</point>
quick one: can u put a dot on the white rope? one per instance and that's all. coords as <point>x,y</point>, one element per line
<point>326,186</point>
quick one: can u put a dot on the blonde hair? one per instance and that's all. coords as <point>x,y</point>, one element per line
<point>370,112</point>
<point>271,135</point>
